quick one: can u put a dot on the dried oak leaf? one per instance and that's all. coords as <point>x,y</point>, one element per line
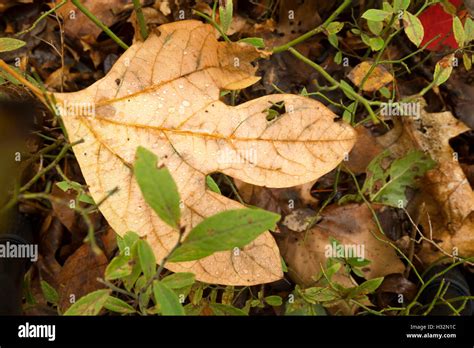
<point>351,225</point>
<point>163,94</point>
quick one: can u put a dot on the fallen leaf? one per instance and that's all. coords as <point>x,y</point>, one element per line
<point>365,150</point>
<point>378,78</point>
<point>163,94</point>
<point>79,274</point>
<point>438,27</point>
<point>350,224</point>
<point>446,215</point>
<point>76,23</point>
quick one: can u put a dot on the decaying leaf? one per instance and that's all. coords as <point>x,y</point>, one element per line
<point>446,215</point>
<point>79,275</point>
<point>163,94</point>
<point>353,226</point>
<point>378,78</point>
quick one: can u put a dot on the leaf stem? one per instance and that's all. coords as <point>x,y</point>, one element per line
<point>141,19</point>
<point>334,82</point>
<point>313,32</point>
<point>40,18</point>
<point>101,25</point>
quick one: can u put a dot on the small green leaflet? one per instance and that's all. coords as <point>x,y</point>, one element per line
<point>274,300</point>
<point>119,267</point>
<point>469,29</point>
<point>117,305</point>
<point>224,231</point>
<point>375,27</point>
<point>375,15</point>
<point>225,14</point>
<point>147,260</point>
<point>9,44</point>
<point>458,31</point>
<point>212,184</point>
<point>413,28</point>
<point>91,304</point>
<point>254,41</point>
<point>179,280</point>
<point>50,294</point>
<point>167,300</point>
<point>72,185</point>
<point>366,287</point>
<point>375,43</point>
<point>388,186</point>
<point>158,187</point>
<point>443,70</point>
<point>334,27</point>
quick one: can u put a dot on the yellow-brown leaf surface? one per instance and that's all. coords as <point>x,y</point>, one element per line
<point>163,94</point>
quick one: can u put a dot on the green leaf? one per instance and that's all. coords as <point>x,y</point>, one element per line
<point>413,28</point>
<point>349,112</point>
<point>117,305</point>
<point>385,92</point>
<point>400,4</point>
<point>319,294</point>
<point>225,14</point>
<point>119,267</point>
<point>347,89</point>
<point>367,287</point>
<point>458,31</point>
<point>254,41</point>
<point>300,307</point>
<point>338,57</point>
<point>466,61</point>
<point>50,294</point>
<point>274,300</point>
<point>147,260</point>
<point>469,29</point>
<point>179,280</point>
<point>158,187</point>
<point>356,262</point>
<point>224,231</point>
<point>212,184</point>
<point>91,304</point>
<point>126,242</point>
<point>443,70</point>
<point>9,44</point>
<point>376,43</point>
<point>71,185</point>
<point>375,27</point>
<point>85,198</point>
<point>332,38</point>
<point>375,15</point>
<point>334,27</point>
<point>393,182</point>
<point>221,309</point>
<point>167,299</point>
<point>284,267</point>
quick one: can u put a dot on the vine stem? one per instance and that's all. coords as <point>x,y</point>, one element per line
<point>334,82</point>
<point>313,32</point>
